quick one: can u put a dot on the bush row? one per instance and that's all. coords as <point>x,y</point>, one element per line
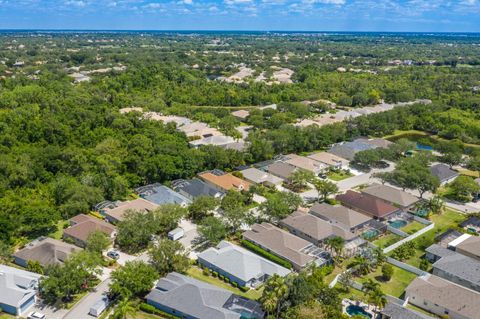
<point>262,252</point>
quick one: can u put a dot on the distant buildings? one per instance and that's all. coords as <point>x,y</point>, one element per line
<point>391,195</point>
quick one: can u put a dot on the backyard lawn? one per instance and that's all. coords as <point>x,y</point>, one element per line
<point>197,273</point>
<point>387,240</point>
<point>396,286</point>
<point>339,175</point>
<point>412,227</point>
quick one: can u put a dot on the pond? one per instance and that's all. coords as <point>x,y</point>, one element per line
<point>353,310</point>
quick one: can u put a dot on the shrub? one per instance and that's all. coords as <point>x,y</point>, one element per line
<point>215,274</point>
<point>234,284</point>
<point>387,272</point>
<point>226,279</point>
<point>424,265</point>
<point>206,272</point>
<point>221,277</point>
<point>244,288</point>
<point>145,307</point>
<point>262,252</point>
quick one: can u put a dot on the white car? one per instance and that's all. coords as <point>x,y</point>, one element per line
<point>36,315</point>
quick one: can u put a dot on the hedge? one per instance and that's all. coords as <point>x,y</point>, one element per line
<point>262,252</point>
<point>145,307</point>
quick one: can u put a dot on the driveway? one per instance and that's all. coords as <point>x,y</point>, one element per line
<point>49,311</point>
<point>81,309</point>
<point>365,178</point>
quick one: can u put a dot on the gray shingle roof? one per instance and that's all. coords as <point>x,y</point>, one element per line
<point>258,176</point>
<point>394,311</point>
<point>16,285</point>
<point>443,172</point>
<point>460,266</point>
<point>348,150</point>
<point>240,262</point>
<point>280,169</point>
<point>196,188</point>
<point>160,194</point>
<point>439,251</point>
<point>201,300</point>
<point>46,251</point>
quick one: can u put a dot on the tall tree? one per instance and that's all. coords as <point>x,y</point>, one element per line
<point>167,256</point>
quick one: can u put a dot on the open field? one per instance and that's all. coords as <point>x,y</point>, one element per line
<point>396,286</point>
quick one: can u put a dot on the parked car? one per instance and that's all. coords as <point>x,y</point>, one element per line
<point>36,315</point>
<point>113,254</point>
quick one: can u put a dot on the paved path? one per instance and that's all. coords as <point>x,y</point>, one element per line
<point>81,309</point>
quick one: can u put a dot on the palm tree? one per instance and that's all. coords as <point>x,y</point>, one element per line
<point>336,244</point>
<point>370,285</point>
<point>124,309</point>
<point>377,298</point>
<point>325,188</point>
<point>361,265</point>
<point>436,205</point>
<point>274,294</point>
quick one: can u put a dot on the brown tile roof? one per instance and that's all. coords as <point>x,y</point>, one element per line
<point>280,243</point>
<point>226,181</point>
<point>329,159</point>
<point>314,227</point>
<point>139,204</point>
<point>446,294</point>
<point>340,214</point>
<point>366,204</point>
<point>470,247</point>
<point>83,226</point>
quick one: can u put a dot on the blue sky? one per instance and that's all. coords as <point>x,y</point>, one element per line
<point>308,15</point>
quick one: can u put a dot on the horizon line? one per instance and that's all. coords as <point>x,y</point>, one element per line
<point>222,30</point>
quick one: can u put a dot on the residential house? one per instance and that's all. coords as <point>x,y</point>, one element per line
<point>442,297</point>
<point>256,176</point>
<point>81,226</point>
<point>18,290</point>
<point>160,194</point>
<point>281,169</point>
<point>224,181</point>
<point>239,265</point>
<point>306,163</point>
<point>391,195</point>
<point>460,269</point>
<point>444,173</point>
<point>317,230</point>
<point>241,114</point>
<point>195,188</point>
<point>396,311</point>
<point>376,142</point>
<point>45,251</point>
<point>348,150</point>
<point>435,252</point>
<point>368,205</point>
<point>216,140</point>
<point>467,245</point>
<point>117,214</point>
<point>299,252</point>
<point>330,160</point>
<point>344,216</point>
<point>186,297</point>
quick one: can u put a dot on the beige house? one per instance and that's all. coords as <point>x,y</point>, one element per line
<point>116,214</point>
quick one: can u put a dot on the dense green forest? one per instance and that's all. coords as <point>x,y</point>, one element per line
<point>65,146</point>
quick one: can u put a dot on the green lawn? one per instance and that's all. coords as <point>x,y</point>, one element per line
<point>387,240</point>
<point>442,222</point>
<point>412,227</point>
<point>338,176</point>
<point>396,286</point>
<point>144,315</point>
<point>197,273</point>
<point>6,316</point>
<point>58,233</point>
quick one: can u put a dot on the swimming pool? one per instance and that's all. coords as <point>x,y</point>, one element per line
<point>353,310</point>
<point>370,234</point>
<point>424,147</point>
<point>398,223</point>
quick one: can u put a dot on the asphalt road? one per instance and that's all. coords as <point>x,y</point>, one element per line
<point>81,309</point>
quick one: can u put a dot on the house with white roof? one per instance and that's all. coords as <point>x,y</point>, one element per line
<point>239,265</point>
<point>18,290</point>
